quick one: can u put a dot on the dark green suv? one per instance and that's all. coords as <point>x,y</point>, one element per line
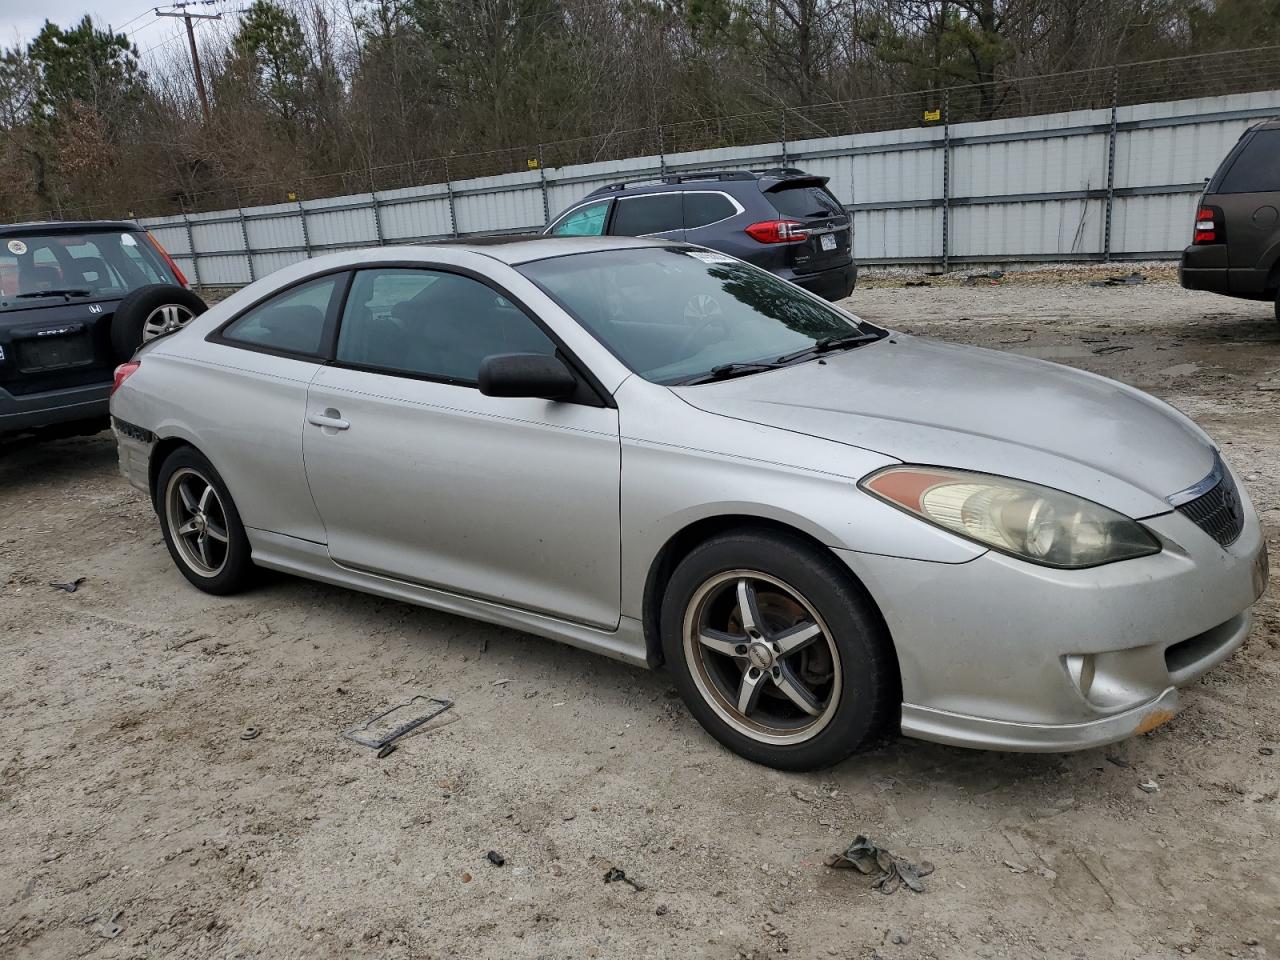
<point>1235,249</point>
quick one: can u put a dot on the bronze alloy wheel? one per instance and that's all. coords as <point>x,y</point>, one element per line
<point>762,657</point>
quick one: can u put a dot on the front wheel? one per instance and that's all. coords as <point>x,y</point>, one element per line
<point>777,652</point>
<point>201,525</point>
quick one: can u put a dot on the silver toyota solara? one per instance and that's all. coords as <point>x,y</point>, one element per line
<point>824,530</point>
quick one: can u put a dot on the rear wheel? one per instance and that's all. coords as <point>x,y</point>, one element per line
<point>201,525</point>
<point>777,652</point>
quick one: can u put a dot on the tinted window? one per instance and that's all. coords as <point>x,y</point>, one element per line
<point>703,208</point>
<point>292,322</point>
<point>586,221</point>
<point>637,216</point>
<point>671,313</point>
<point>98,265</point>
<point>807,201</point>
<point>431,324</point>
<point>1257,168</point>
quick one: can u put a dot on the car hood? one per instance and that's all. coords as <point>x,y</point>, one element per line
<point>924,401</point>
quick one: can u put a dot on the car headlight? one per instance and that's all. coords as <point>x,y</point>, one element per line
<point>1031,522</point>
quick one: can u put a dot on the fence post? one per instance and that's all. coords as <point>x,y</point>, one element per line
<point>662,157</point>
<point>244,235</point>
<point>946,181</point>
<point>782,130</point>
<point>1111,165</point>
<point>306,236</point>
<point>448,187</point>
<point>191,244</point>
<point>377,209</point>
<point>542,175</point>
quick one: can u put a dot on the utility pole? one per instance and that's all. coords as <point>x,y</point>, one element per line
<point>181,11</point>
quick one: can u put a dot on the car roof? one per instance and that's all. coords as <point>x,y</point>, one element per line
<point>67,226</point>
<point>762,181</point>
<point>524,248</point>
<point>1271,123</point>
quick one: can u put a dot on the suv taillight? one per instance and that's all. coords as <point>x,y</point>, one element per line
<point>1209,226</point>
<point>169,260</point>
<point>123,373</point>
<point>778,231</point>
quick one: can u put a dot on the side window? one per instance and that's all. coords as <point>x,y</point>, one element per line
<point>1257,168</point>
<point>432,324</point>
<point>637,216</point>
<point>703,208</point>
<point>293,322</point>
<point>586,221</point>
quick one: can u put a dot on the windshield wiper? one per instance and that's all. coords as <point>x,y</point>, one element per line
<point>727,371</point>
<point>74,292</point>
<point>828,344</point>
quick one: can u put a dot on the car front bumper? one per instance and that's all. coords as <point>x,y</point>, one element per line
<point>999,654</point>
<point>51,407</point>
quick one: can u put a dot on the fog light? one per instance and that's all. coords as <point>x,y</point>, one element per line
<point>1080,666</point>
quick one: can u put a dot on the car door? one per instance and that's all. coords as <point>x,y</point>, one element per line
<point>586,220</point>
<point>649,215</point>
<point>420,477</point>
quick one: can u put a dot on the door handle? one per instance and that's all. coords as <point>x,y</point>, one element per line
<point>330,419</point>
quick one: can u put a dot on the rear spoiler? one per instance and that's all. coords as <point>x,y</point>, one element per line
<point>787,178</point>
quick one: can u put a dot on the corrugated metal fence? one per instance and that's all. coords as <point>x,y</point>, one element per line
<point>1084,185</point>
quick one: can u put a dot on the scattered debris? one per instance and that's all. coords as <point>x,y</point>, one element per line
<point>1149,786</point>
<point>661,910</point>
<point>71,586</point>
<point>778,907</point>
<point>1114,348</point>
<point>1269,385</point>
<point>1016,867</point>
<point>1266,751</point>
<point>494,857</point>
<point>109,929</point>
<point>498,683</point>
<point>378,731</point>
<point>250,733</point>
<point>615,875</point>
<point>991,276</point>
<point>1122,280</point>
<point>466,877</point>
<point>1047,873</point>
<point>900,938</point>
<point>386,751</point>
<point>557,870</point>
<point>891,871</point>
<point>917,283</point>
<point>1117,761</point>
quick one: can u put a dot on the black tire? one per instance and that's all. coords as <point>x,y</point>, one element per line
<point>234,569</point>
<point>868,699</point>
<point>130,319</point>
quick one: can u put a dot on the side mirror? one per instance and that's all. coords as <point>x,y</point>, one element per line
<point>526,375</point>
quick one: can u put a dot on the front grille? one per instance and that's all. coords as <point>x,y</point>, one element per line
<point>1219,512</point>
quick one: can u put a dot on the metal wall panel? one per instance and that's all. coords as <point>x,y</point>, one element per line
<point>1030,187</point>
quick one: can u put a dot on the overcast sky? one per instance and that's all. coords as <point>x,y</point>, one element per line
<point>21,20</point>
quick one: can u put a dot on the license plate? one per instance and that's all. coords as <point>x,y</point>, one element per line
<point>1261,570</point>
<point>53,353</point>
<point>828,241</point>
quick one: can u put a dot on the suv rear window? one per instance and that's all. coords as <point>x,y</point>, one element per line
<point>805,201</point>
<point>38,268</point>
<point>1257,168</point>
<point>701,209</point>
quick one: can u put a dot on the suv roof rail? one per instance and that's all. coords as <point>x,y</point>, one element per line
<point>708,175</point>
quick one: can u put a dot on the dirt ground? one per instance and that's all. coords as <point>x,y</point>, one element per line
<point>128,796</point>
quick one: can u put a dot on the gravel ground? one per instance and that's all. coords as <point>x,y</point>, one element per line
<point>130,801</point>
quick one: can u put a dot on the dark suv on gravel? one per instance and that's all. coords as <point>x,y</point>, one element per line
<point>1235,248</point>
<point>76,299</point>
<point>783,220</point>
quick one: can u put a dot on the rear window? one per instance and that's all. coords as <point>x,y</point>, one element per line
<point>1257,168</point>
<point>39,268</point>
<point>637,216</point>
<point>805,201</point>
<point>703,208</point>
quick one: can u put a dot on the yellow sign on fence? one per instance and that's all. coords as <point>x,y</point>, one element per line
<point>533,163</point>
<point>932,116</point>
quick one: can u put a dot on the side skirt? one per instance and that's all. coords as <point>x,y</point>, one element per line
<point>303,558</point>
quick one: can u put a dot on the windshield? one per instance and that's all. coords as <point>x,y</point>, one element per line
<point>38,269</point>
<point>674,313</point>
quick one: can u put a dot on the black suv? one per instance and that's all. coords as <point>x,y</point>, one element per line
<point>1235,247</point>
<point>783,220</point>
<point>76,299</point>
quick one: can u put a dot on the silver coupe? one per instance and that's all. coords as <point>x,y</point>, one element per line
<point>826,531</point>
